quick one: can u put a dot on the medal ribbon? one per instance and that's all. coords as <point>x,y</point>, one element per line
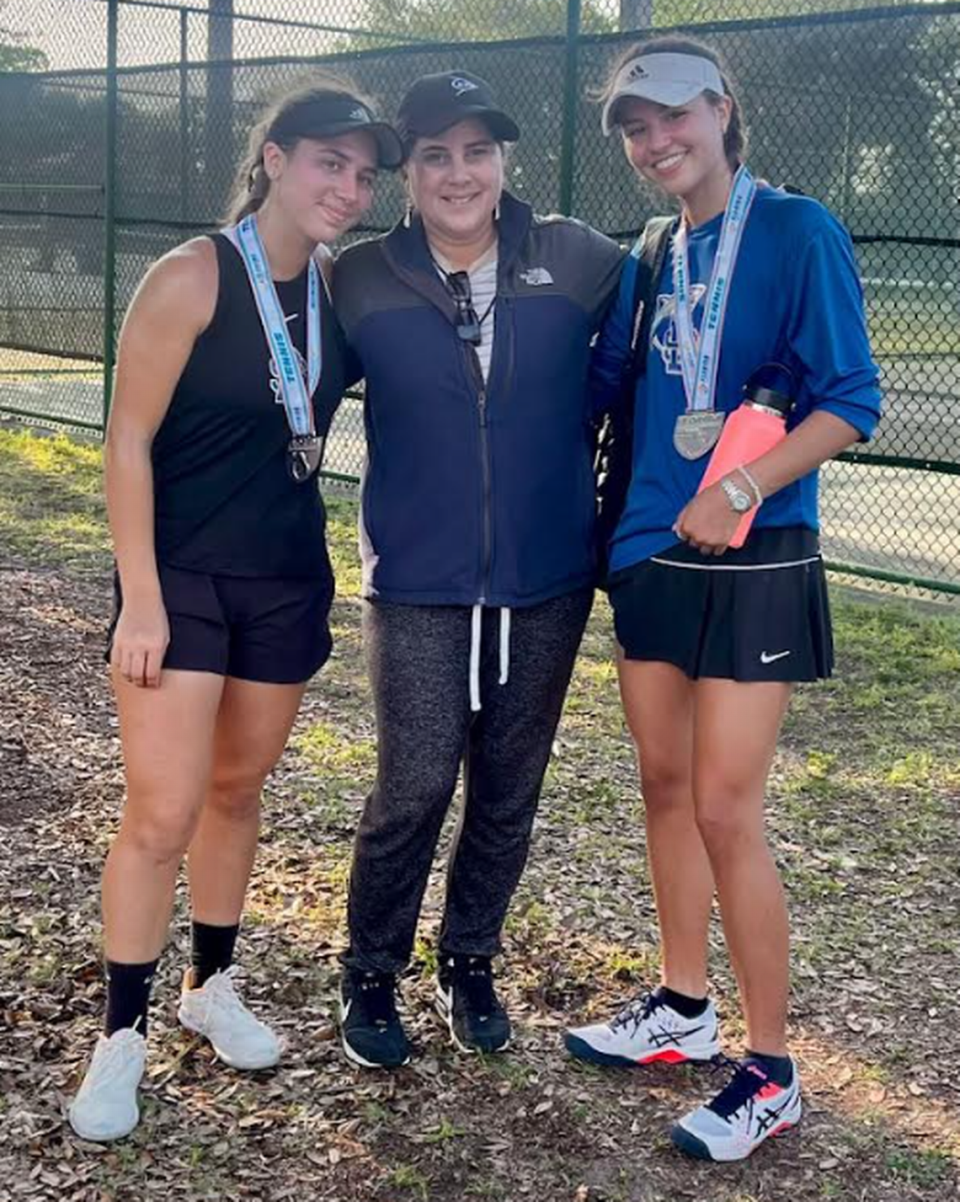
<point>295,392</point>
<point>699,363</point>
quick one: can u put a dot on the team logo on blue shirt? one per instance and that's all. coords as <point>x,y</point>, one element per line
<point>664,332</point>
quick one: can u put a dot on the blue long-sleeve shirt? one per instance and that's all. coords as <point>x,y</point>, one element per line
<point>795,299</point>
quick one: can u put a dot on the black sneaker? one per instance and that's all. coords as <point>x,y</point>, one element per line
<point>370,1028</point>
<point>468,1002</point>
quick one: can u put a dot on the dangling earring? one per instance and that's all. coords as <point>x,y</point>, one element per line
<point>408,216</point>
<point>496,211</point>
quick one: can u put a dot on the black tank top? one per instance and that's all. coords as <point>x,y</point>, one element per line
<point>224,501</point>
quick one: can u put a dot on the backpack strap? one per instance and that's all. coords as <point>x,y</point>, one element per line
<point>652,254</point>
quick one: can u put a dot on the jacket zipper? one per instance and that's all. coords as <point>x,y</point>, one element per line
<point>485,469</point>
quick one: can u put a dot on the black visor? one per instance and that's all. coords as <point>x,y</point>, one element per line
<point>329,116</point>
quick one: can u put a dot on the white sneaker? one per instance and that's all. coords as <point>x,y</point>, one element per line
<point>105,1107</point>
<point>647,1031</point>
<point>748,1110</point>
<point>215,1011</point>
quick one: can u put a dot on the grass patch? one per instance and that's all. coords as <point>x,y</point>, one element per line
<point>52,510</point>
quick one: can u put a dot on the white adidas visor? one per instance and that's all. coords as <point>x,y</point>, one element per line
<point>669,79</point>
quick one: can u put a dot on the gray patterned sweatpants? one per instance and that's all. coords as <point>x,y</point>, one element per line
<point>418,661</point>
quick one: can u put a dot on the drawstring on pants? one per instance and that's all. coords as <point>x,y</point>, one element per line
<point>476,630</point>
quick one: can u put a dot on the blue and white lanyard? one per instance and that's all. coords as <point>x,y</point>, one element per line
<point>699,365</point>
<point>295,392</point>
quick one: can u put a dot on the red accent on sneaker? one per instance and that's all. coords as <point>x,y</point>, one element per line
<point>667,1056</point>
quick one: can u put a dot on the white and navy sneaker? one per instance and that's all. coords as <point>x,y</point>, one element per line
<point>370,1028</point>
<point>105,1107</point>
<point>467,1002</point>
<point>749,1109</point>
<point>647,1031</point>
<point>216,1012</point>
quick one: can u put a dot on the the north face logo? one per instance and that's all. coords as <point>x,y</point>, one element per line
<point>461,85</point>
<point>535,277</point>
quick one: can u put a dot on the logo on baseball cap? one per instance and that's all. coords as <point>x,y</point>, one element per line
<point>330,114</point>
<point>669,79</point>
<point>434,103</point>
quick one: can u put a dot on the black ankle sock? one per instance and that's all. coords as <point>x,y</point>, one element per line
<point>689,1007</point>
<point>211,951</point>
<point>128,995</point>
<point>778,1068</point>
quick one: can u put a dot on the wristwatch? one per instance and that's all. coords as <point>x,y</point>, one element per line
<point>739,501</point>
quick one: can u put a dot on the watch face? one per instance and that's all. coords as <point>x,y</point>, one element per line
<point>741,503</point>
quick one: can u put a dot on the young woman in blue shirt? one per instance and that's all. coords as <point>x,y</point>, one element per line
<point>712,639</point>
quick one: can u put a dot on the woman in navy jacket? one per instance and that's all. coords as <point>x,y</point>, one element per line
<point>473,321</point>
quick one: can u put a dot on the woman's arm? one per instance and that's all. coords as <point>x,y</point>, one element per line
<point>828,345</point>
<point>612,348</point>
<point>709,523</point>
<point>173,305</point>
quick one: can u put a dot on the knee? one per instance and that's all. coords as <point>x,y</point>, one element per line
<point>160,833</point>
<point>235,794</point>
<point>726,818</point>
<point>666,786</point>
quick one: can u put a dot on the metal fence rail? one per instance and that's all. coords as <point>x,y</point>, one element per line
<point>121,140</point>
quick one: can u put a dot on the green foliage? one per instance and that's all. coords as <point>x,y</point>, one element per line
<point>481,20</point>
<point>686,12</point>
<point>14,55</point>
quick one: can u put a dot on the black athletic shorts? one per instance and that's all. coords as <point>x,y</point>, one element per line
<point>757,613</point>
<point>272,630</point>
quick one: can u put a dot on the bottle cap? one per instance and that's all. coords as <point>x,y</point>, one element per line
<point>759,389</point>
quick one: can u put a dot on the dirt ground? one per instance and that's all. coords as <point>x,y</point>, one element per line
<point>864,818</point>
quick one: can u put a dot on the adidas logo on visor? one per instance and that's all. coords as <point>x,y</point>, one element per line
<point>637,71</point>
<point>461,85</point>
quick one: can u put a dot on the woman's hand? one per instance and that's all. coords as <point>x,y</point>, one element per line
<point>707,522</point>
<point>140,642</point>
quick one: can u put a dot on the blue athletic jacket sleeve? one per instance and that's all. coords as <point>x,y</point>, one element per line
<point>827,329</point>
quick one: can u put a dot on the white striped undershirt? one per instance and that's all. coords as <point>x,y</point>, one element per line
<point>483,288</point>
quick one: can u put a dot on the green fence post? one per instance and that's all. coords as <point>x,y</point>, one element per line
<point>184,116</point>
<point>110,210</point>
<point>570,103</point>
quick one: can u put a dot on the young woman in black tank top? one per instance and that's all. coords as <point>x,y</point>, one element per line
<point>223,583</point>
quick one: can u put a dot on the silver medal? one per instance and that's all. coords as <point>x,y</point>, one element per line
<point>304,455</point>
<point>697,431</point>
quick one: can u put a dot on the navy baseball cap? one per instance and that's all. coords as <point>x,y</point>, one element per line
<point>434,103</point>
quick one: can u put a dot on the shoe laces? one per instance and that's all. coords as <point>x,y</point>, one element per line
<point>637,1011</point>
<point>746,1081</point>
<point>474,976</point>
<point>375,992</point>
<point>112,1056</point>
<point>221,991</point>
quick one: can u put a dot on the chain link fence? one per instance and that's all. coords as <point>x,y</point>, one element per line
<point>121,122</point>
